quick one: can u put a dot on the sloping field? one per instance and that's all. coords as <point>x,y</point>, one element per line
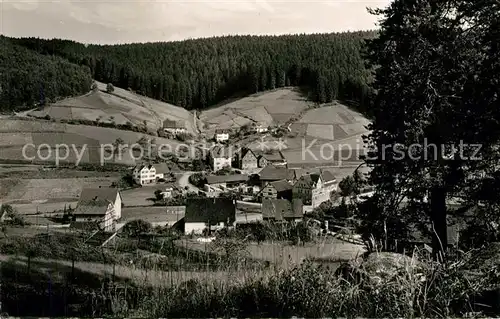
<point>66,189</point>
<point>17,133</point>
<point>272,107</point>
<point>119,107</point>
<point>10,126</point>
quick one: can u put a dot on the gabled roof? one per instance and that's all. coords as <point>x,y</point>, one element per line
<point>95,201</point>
<point>281,186</point>
<point>278,209</point>
<point>309,180</point>
<point>250,153</point>
<point>92,208</point>
<point>327,176</point>
<point>272,173</point>
<point>102,193</point>
<point>161,168</point>
<point>216,179</point>
<point>219,151</point>
<point>215,210</point>
<point>273,157</point>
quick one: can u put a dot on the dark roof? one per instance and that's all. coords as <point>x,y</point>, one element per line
<point>95,201</point>
<point>216,179</point>
<point>219,151</point>
<point>172,124</point>
<point>272,173</point>
<point>215,210</point>
<point>279,209</point>
<point>102,193</point>
<point>281,186</point>
<point>161,168</point>
<point>327,176</point>
<point>92,207</point>
<point>310,179</point>
<point>249,151</point>
<point>273,157</point>
<point>221,131</point>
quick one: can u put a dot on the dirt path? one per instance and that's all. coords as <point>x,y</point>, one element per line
<point>183,182</point>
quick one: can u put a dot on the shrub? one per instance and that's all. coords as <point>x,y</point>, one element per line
<point>110,88</point>
<point>136,227</point>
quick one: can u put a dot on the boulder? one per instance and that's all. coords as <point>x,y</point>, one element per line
<point>382,267</point>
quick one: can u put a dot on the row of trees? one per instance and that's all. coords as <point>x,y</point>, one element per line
<point>203,72</point>
<point>28,79</point>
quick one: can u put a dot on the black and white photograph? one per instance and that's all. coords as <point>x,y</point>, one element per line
<point>250,158</point>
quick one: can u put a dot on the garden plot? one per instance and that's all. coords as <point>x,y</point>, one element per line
<point>321,131</point>
<point>281,118</point>
<point>354,128</point>
<point>7,125</point>
<point>44,189</point>
<point>324,115</point>
<point>15,139</point>
<point>88,114</point>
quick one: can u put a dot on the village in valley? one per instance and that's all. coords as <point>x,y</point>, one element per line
<point>204,174</point>
<point>216,182</point>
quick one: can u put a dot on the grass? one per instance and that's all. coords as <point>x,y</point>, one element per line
<point>175,281</point>
<point>43,189</point>
<point>265,108</point>
<point>305,290</point>
<point>18,132</point>
<point>120,107</point>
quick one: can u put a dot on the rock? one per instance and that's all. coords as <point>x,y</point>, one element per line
<point>381,267</point>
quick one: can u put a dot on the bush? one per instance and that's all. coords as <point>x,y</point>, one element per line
<point>198,179</point>
<point>136,227</point>
<point>110,88</point>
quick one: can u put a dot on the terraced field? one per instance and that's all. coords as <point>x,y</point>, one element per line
<point>119,107</point>
<point>90,141</point>
<point>268,108</point>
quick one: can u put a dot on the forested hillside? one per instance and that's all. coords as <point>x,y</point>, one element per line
<point>28,78</point>
<point>199,73</point>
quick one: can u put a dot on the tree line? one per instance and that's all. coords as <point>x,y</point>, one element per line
<point>28,79</point>
<point>203,72</point>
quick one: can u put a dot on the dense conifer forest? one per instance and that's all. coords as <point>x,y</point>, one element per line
<point>196,73</point>
<point>28,78</point>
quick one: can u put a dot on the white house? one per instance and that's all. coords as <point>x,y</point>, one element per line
<point>149,174</point>
<point>259,128</point>
<point>101,207</point>
<point>173,127</point>
<point>221,135</point>
<point>315,188</point>
<point>220,157</point>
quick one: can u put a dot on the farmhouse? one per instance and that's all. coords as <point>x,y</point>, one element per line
<point>271,174</point>
<point>275,158</point>
<point>209,214</point>
<point>173,127</point>
<point>225,182</point>
<point>99,206</point>
<point>219,157</point>
<point>249,160</point>
<point>149,174</point>
<point>282,210</point>
<point>221,135</point>
<point>315,188</point>
<point>281,189</point>
<point>260,128</point>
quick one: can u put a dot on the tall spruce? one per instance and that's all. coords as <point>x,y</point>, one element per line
<point>437,71</point>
